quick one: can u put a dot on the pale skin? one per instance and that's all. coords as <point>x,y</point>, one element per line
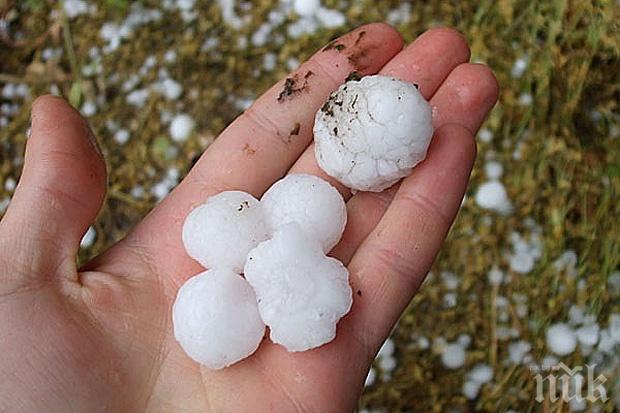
<point>99,338</point>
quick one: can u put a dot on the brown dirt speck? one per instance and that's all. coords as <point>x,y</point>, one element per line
<point>295,130</point>
<point>292,88</point>
<point>248,150</point>
<point>354,75</point>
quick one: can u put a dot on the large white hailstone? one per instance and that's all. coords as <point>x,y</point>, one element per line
<point>372,132</point>
<point>301,293</point>
<point>311,202</point>
<point>561,339</point>
<point>216,320</point>
<point>221,232</point>
<point>492,195</point>
<point>181,127</point>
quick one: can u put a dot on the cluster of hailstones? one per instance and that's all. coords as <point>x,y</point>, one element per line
<point>266,260</point>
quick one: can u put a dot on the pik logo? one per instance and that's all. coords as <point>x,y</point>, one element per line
<point>566,384</point>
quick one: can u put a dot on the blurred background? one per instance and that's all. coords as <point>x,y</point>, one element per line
<point>530,275</point>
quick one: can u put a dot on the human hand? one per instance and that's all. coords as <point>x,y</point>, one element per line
<point>100,338</point>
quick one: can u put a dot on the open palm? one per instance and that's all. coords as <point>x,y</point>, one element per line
<point>100,338</point>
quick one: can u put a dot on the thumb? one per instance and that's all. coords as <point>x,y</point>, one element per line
<point>59,194</point>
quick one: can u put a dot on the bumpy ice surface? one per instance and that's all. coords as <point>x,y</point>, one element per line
<point>301,293</point>
<point>311,202</point>
<point>372,132</point>
<point>221,232</point>
<point>216,320</point>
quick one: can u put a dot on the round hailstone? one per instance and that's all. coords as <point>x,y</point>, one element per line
<point>301,293</point>
<point>311,202</point>
<point>216,320</point>
<point>221,232</point>
<point>492,195</point>
<point>181,127</point>
<point>372,132</point>
<point>561,339</point>
<point>453,356</point>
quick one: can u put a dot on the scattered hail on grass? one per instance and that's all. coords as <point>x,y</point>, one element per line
<point>311,202</point>
<point>372,131</point>
<point>215,318</point>
<point>221,232</point>
<point>301,293</point>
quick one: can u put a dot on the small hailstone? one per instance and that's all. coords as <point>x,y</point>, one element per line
<point>606,342</point>
<point>548,362</point>
<point>518,351</point>
<point>311,202</point>
<point>181,127</point>
<point>576,315</point>
<point>89,108</point>
<point>221,232</point>
<point>485,135</point>
<point>614,327</point>
<point>561,339</point>
<point>423,343</point>
<point>519,66</point>
<point>587,335</point>
<point>525,99</point>
<point>453,356</point>
<point>493,169</point>
<point>370,378</point>
<point>387,364</point>
<point>372,132</point>
<point>306,7</point>
<point>492,195</point>
<point>464,340</point>
<point>330,18</point>
<point>216,320</point>
<point>496,276</point>
<point>481,373</point>
<point>387,348</point>
<point>121,136</point>
<point>89,238</point>
<point>471,389</point>
<point>301,293</point>
<point>9,184</point>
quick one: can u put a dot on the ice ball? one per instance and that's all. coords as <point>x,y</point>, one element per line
<point>311,202</point>
<point>301,293</point>
<point>371,132</point>
<point>221,232</point>
<point>216,320</point>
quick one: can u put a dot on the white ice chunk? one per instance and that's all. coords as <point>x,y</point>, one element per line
<point>221,232</point>
<point>372,132</point>
<point>301,293</point>
<point>311,202</point>
<point>561,339</point>
<point>216,320</point>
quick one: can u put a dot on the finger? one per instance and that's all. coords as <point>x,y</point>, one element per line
<point>394,258</point>
<point>426,62</point>
<point>270,136</point>
<point>464,98</point>
<point>60,191</point>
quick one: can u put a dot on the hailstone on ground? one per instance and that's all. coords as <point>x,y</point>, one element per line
<point>372,132</point>
<point>221,232</point>
<point>216,319</point>
<point>309,201</point>
<point>301,293</point>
